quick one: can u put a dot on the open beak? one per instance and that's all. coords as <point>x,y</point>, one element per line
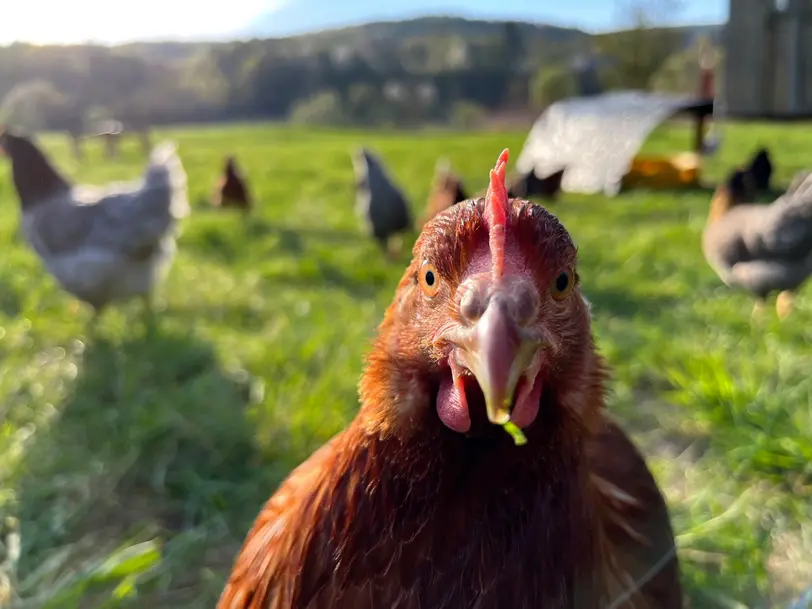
<point>498,352</point>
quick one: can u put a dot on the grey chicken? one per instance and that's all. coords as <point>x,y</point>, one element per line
<point>102,244</point>
<point>379,202</point>
<point>761,248</point>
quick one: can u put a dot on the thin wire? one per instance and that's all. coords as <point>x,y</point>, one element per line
<point>646,577</point>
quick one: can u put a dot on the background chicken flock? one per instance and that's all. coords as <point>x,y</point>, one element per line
<point>113,243</point>
<point>321,541</point>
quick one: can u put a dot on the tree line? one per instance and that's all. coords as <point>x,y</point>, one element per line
<point>360,76</point>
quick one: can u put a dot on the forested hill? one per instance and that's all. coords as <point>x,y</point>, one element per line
<point>427,69</point>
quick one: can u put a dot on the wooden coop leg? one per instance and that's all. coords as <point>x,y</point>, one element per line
<point>77,148</point>
<point>112,145</point>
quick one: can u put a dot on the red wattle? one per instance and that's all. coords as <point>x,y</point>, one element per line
<point>527,405</point>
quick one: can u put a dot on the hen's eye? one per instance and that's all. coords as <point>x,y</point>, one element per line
<point>562,285</point>
<point>429,279</point>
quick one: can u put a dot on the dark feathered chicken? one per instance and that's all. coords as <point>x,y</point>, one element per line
<point>528,185</point>
<point>740,186</point>
<point>379,202</point>
<point>424,501</point>
<point>761,248</point>
<point>761,169</point>
<point>231,190</point>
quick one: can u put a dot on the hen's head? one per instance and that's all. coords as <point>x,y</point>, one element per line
<point>19,147</point>
<point>488,318</point>
<point>34,176</point>
<point>10,141</point>
<point>762,155</point>
<point>738,188</point>
<point>231,169</point>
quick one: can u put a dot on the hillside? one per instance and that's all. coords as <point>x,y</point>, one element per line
<point>538,36</point>
<point>165,52</point>
<point>407,73</point>
<point>419,27</point>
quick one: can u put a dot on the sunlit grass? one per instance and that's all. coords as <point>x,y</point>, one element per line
<point>135,465</point>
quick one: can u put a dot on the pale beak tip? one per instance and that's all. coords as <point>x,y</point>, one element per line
<point>498,416</point>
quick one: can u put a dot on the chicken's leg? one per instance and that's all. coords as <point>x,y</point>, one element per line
<point>784,304</point>
<point>386,247</point>
<point>757,314</point>
<point>149,312</point>
<point>394,247</point>
<point>93,324</point>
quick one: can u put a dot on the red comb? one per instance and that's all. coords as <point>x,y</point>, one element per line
<point>496,213</point>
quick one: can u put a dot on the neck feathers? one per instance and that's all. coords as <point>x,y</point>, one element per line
<point>479,508</point>
<point>721,203</point>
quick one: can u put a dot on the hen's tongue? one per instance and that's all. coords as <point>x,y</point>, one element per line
<point>452,407</point>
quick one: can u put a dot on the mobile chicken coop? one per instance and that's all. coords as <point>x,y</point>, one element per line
<point>596,141</point>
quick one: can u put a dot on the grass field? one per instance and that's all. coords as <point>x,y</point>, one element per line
<point>135,465</point>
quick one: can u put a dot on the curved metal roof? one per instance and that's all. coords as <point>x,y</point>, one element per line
<point>595,138</point>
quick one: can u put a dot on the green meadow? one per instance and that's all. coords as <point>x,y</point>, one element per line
<point>135,462</point>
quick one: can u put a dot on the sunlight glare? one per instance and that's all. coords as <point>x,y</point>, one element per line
<point>56,21</point>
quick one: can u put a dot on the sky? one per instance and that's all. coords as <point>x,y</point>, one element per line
<point>107,21</point>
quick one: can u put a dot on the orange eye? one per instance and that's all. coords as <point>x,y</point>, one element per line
<point>429,279</point>
<point>562,285</point>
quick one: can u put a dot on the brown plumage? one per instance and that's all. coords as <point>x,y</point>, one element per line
<point>422,502</point>
<point>446,190</point>
<point>738,188</point>
<point>231,190</point>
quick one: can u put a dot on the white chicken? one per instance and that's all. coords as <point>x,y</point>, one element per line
<point>102,244</point>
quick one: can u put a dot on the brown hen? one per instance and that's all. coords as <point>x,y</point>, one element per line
<point>231,190</point>
<point>446,190</point>
<point>424,501</point>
